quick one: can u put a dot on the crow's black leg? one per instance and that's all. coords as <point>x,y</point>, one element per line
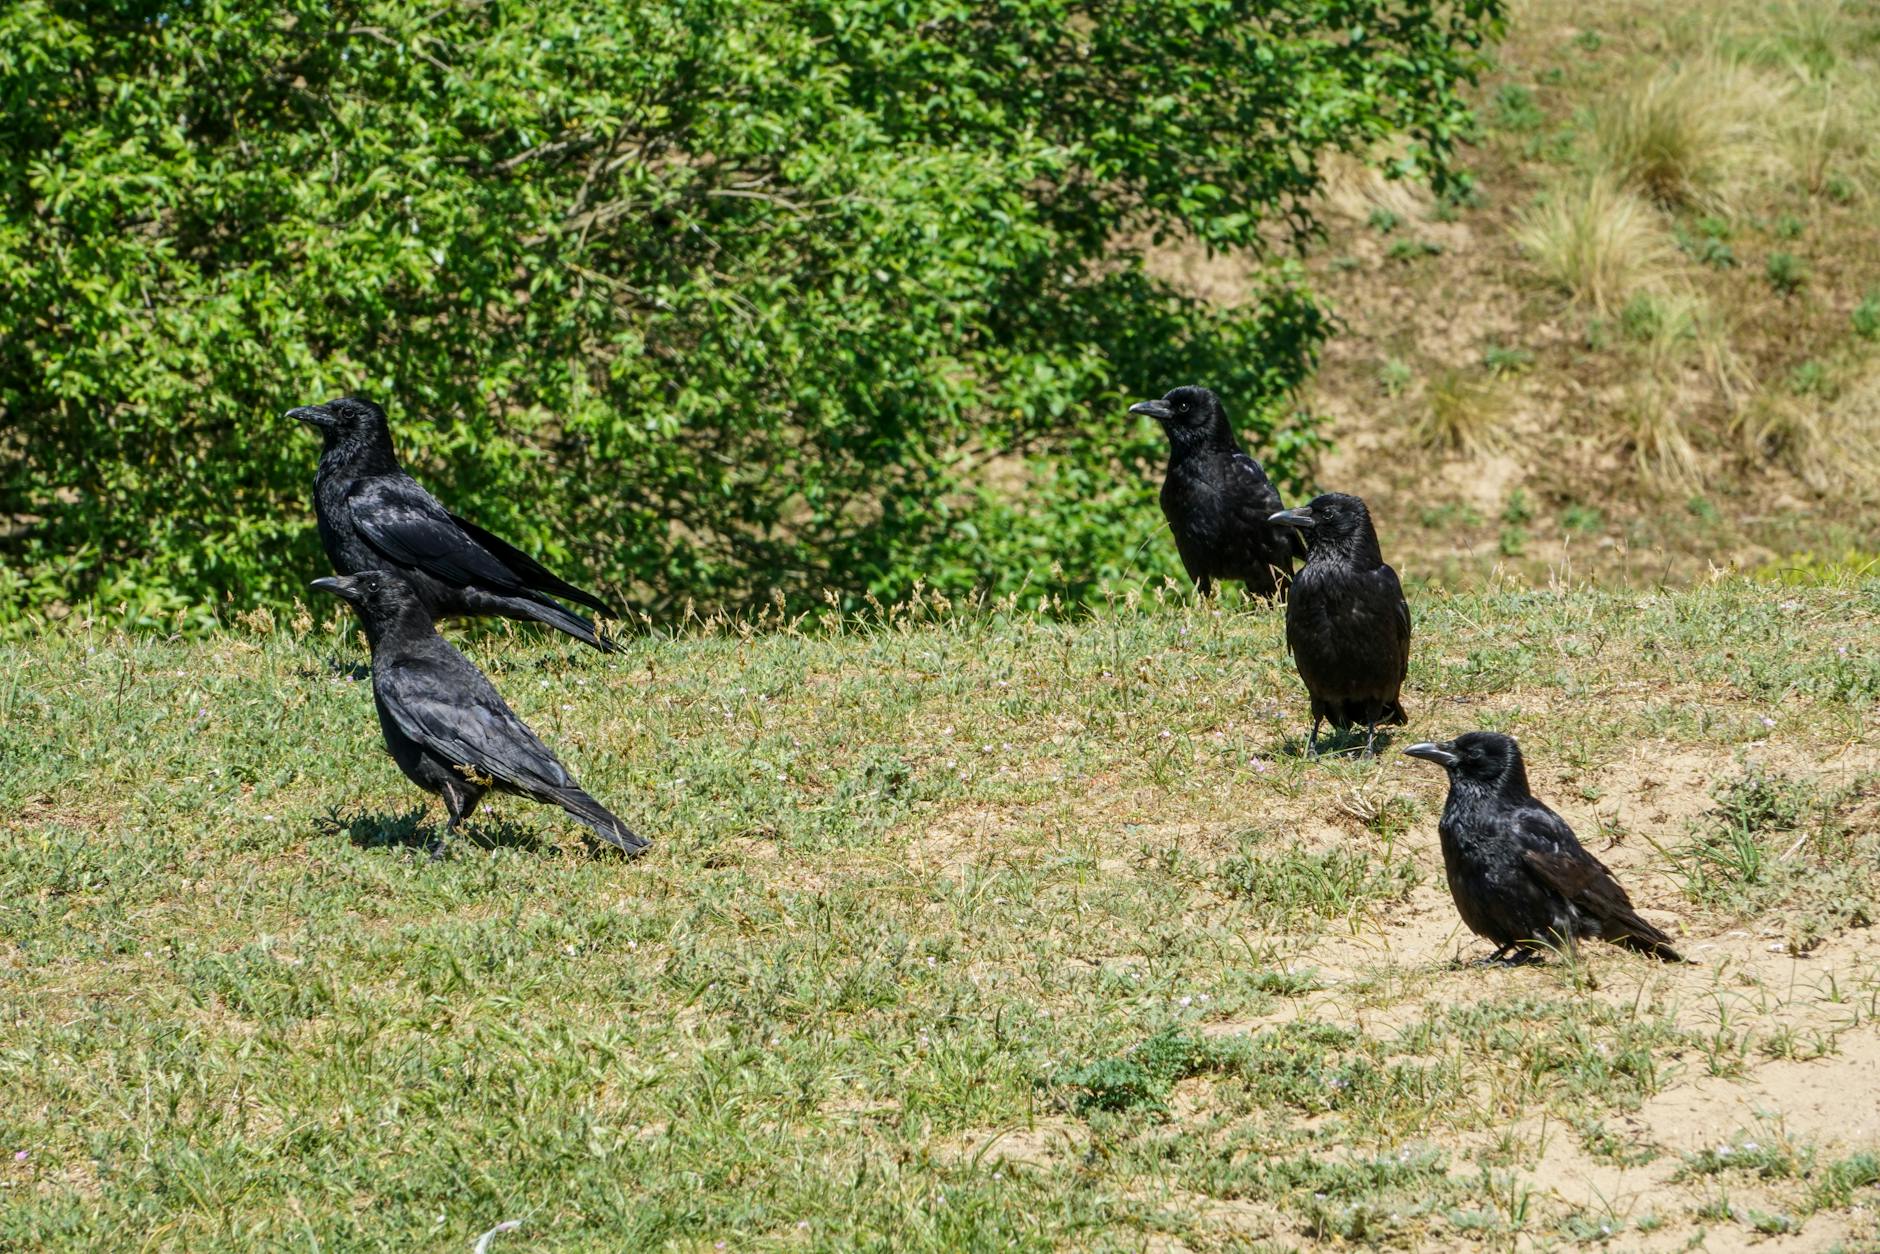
<point>1312,740</point>
<point>460,798</point>
<point>1370,740</point>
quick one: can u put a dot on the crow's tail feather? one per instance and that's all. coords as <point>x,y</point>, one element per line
<point>565,621</point>
<point>602,820</point>
<point>1635,933</point>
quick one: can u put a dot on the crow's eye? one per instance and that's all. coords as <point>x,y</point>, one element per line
<point>1182,406</point>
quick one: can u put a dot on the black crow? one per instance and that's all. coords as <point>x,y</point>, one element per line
<point>1347,623</point>
<point>446,726</point>
<point>1518,875</point>
<point>374,516</point>
<point>1218,500</point>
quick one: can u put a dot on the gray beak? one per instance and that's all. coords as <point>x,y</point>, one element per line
<point>318,415</point>
<point>338,585</point>
<point>1157,410</point>
<point>1439,754</point>
<point>1300,518</point>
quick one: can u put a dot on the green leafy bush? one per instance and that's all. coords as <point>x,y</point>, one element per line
<point>700,300</point>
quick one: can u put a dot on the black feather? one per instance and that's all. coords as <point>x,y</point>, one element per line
<point>374,516</point>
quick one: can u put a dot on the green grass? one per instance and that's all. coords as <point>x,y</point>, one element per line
<point>961,930</point>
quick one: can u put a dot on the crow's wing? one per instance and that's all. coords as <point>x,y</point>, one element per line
<point>1403,623</point>
<point>1555,856</point>
<point>531,571</point>
<point>403,522</point>
<point>445,704</point>
<point>1261,503</point>
<point>1536,829</point>
<point>1584,880</point>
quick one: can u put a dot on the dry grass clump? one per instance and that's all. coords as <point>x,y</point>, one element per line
<point>1465,414</point>
<point>1684,135</point>
<point>1829,146</point>
<point>1830,441</point>
<point>1658,429</point>
<point>1596,241</point>
<point>1676,329</point>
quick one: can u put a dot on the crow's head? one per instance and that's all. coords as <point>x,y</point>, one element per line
<point>381,597</point>
<point>1189,415</point>
<point>1334,523</point>
<point>350,420</point>
<point>1487,759</point>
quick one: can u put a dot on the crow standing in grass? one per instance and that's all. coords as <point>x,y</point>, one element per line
<point>1218,500</point>
<point>1518,875</point>
<point>374,516</point>
<point>1347,623</point>
<point>446,726</point>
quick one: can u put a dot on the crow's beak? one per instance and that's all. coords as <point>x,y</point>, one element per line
<point>1439,754</point>
<point>338,585</point>
<point>1301,518</point>
<point>318,415</point>
<point>1157,410</point>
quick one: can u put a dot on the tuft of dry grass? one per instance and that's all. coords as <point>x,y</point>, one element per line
<point>1676,329</point>
<point>1465,414</point>
<point>1658,429</point>
<point>1829,147</point>
<point>1684,135</point>
<point>1595,240</point>
<point>1831,442</point>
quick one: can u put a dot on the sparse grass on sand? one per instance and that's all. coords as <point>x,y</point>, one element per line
<point>961,931</point>
<point>1672,229</point>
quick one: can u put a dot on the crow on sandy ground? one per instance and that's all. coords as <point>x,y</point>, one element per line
<point>1518,875</point>
<point>374,516</point>
<point>1347,623</point>
<point>1218,500</point>
<point>446,726</point>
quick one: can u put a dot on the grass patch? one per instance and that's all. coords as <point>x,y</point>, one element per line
<point>906,868</point>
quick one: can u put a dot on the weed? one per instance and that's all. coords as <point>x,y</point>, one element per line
<point>1413,249</point>
<point>1809,378</point>
<point>1585,520</point>
<point>1707,250</point>
<point>1501,360</point>
<point>1515,109</point>
<point>1841,1180</point>
<point>1383,220</point>
<point>1866,317</point>
<point>1394,376</point>
<point>1141,1078</point>
<point>1785,273</point>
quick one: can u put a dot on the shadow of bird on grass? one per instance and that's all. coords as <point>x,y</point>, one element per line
<point>410,830</point>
